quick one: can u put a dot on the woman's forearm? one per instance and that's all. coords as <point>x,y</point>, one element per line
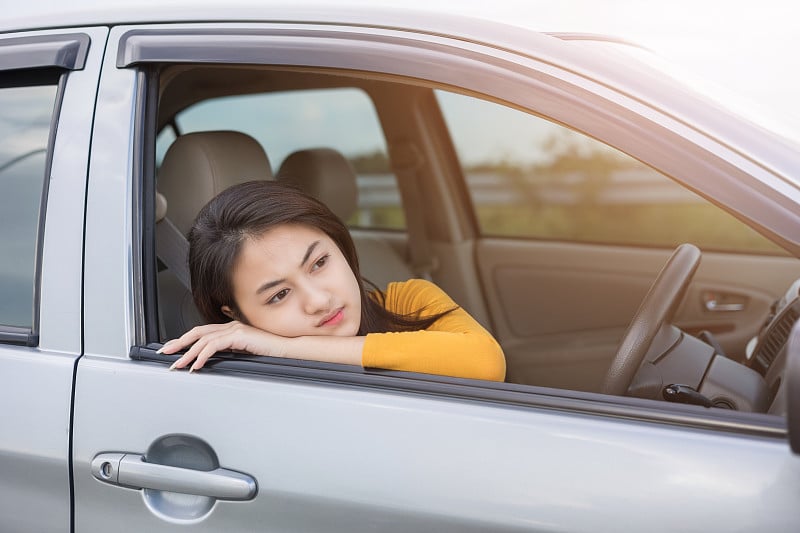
<point>345,350</point>
<point>205,341</point>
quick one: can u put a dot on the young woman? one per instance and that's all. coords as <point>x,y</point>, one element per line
<point>275,273</point>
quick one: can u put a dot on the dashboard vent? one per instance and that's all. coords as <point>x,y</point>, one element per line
<point>775,337</point>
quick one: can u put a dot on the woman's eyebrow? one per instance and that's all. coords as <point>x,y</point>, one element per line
<point>309,252</point>
<point>270,284</point>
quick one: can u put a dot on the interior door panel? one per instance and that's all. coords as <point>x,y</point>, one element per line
<point>560,309</point>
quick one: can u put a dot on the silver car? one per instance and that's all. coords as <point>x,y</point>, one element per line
<point>542,179</point>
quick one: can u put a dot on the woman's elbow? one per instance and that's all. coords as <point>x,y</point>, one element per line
<point>491,363</point>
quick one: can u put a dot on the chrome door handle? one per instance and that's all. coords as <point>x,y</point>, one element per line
<point>131,470</point>
<point>723,302</point>
<point>713,305</point>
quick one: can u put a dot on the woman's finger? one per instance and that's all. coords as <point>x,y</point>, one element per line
<point>193,352</point>
<point>192,336</point>
<point>233,338</point>
<point>206,341</point>
<point>215,340</point>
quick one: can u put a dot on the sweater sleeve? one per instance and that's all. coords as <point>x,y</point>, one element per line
<point>455,345</point>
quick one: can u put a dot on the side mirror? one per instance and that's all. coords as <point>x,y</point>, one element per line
<point>792,377</point>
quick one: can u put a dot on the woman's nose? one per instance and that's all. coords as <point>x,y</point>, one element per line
<point>317,300</point>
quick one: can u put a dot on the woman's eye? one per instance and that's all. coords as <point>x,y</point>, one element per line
<point>320,262</point>
<point>278,297</point>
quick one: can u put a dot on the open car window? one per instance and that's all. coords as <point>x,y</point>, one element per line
<point>523,177</point>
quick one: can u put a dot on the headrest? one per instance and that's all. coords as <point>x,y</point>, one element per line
<point>198,166</point>
<point>326,175</point>
<point>161,207</point>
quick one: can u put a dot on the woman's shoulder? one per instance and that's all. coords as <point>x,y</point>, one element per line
<point>414,294</point>
<point>412,286</point>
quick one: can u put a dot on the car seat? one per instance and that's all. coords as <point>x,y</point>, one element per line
<point>196,167</point>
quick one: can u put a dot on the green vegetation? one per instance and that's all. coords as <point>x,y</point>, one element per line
<point>388,217</point>
<point>650,225</point>
<point>584,175</point>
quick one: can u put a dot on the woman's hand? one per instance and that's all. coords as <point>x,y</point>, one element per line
<point>207,340</point>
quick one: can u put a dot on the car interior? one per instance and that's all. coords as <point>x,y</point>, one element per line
<point>708,329</point>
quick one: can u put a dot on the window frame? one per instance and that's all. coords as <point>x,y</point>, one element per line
<point>367,52</point>
<point>41,55</point>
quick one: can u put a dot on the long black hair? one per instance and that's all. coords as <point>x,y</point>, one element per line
<point>248,210</point>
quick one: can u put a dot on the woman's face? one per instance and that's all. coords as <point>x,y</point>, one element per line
<point>293,280</point>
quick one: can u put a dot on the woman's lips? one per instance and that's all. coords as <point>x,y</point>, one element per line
<point>333,319</point>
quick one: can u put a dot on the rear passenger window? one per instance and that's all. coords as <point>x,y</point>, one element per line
<point>26,111</point>
<point>531,178</point>
<point>282,122</point>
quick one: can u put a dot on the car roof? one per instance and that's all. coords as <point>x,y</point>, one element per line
<point>424,15</point>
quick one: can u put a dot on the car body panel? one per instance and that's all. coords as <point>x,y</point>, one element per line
<point>339,458</point>
<point>110,260</point>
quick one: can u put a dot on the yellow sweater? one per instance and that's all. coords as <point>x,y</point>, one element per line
<point>455,345</point>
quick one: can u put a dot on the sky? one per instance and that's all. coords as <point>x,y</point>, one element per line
<point>747,49</point>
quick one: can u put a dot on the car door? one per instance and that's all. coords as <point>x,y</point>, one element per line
<point>47,79</point>
<point>265,444</point>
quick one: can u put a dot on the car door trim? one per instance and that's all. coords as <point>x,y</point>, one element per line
<point>509,394</point>
<point>18,336</point>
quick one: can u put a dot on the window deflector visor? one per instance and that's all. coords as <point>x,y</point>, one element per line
<point>67,51</point>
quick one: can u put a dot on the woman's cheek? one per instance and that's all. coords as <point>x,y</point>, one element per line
<point>287,322</point>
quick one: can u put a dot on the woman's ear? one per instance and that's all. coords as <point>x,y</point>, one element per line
<point>227,312</point>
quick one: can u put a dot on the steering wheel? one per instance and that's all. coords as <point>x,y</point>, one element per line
<point>659,306</point>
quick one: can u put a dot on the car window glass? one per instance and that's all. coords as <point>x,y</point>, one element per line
<point>164,139</point>
<point>343,119</point>
<point>529,177</point>
<point>25,119</point>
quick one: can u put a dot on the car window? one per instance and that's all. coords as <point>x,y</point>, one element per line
<point>342,118</point>
<point>26,109</point>
<point>529,177</point>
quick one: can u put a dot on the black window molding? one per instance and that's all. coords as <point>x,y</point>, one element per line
<point>66,51</point>
<point>490,392</point>
<point>18,336</point>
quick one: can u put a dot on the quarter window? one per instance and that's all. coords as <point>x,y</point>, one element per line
<point>26,111</point>
<point>531,178</point>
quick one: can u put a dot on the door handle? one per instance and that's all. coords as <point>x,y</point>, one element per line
<point>131,470</point>
<point>723,303</point>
